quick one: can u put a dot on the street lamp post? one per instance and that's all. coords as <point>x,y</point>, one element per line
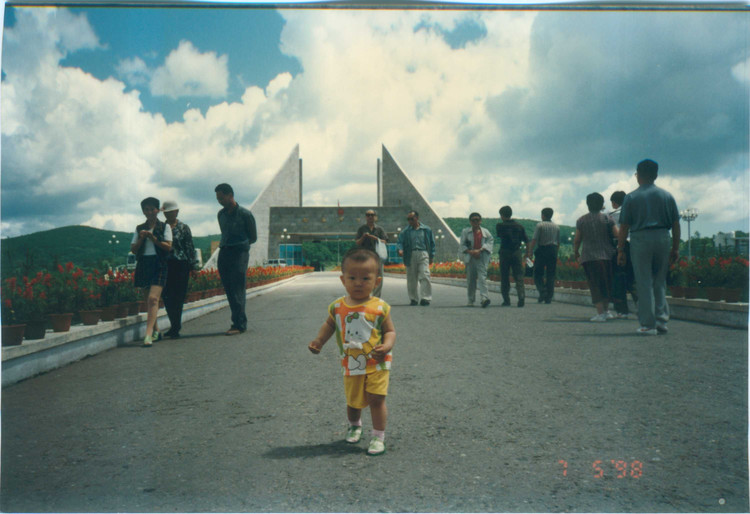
<point>113,242</point>
<point>689,215</point>
<point>398,233</point>
<point>284,237</point>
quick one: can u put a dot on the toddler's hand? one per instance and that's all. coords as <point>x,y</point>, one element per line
<point>379,352</point>
<point>314,347</point>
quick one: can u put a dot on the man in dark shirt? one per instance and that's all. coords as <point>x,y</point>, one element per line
<point>237,234</point>
<point>368,236</point>
<point>511,235</point>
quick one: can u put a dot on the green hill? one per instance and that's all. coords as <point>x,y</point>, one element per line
<point>86,247</point>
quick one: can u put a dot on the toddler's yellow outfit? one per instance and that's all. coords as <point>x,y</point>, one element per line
<point>358,331</point>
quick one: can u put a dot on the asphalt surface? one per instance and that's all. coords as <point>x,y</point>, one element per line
<point>497,409</point>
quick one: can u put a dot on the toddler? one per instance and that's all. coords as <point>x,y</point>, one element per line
<point>365,336</point>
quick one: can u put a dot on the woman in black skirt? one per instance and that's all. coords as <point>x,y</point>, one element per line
<point>151,244</point>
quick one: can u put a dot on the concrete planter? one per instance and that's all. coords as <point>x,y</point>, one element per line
<point>691,293</point>
<point>715,294</point>
<point>121,311</point>
<point>91,317</point>
<point>61,322</point>
<point>732,295</point>
<point>36,329</point>
<point>13,334</point>
<point>109,312</point>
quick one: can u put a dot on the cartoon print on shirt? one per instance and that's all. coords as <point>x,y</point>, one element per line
<point>357,337</point>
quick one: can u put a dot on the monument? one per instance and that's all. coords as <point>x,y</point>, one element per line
<point>283,223</point>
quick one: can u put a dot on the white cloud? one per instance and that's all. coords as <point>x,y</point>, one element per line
<point>134,71</point>
<point>741,71</point>
<point>368,78</point>
<point>278,84</point>
<point>187,72</point>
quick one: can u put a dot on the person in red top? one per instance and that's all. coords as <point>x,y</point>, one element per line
<point>476,246</point>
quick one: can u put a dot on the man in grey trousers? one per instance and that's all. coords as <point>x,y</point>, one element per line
<point>416,245</point>
<point>648,214</point>
<point>238,232</point>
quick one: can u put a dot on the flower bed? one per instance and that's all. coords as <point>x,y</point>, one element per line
<point>452,269</point>
<point>68,289</point>
<point>697,278</point>
<point>714,278</point>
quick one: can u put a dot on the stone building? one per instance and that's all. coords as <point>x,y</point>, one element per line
<point>283,223</point>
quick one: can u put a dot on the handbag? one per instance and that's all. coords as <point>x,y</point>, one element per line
<point>382,250</point>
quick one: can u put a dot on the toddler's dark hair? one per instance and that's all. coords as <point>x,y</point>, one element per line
<point>360,255</point>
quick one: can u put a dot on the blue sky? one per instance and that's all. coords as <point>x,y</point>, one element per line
<point>104,106</point>
<point>160,30</point>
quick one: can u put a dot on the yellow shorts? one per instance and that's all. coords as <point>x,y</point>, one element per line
<point>355,387</point>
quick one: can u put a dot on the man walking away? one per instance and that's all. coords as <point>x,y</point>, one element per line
<point>623,279</point>
<point>238,232</point>
<point>511,235</point>
<point>547,237</point>
<point>648,214</point>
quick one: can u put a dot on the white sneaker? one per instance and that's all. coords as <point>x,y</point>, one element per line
<point>377,447</point>
<point>609,315</point>
<point>645,331</point>
<point>661,327</point>
<point>354,434</point>
<point>621,315</point>
<point>599,318</point>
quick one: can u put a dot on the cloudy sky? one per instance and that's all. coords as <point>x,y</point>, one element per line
<point>102,107</point>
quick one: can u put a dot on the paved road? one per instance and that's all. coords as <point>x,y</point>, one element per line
<point>497,409</point>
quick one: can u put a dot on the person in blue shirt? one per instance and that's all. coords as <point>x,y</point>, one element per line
<point>416,245</point>
<point>238,232</point>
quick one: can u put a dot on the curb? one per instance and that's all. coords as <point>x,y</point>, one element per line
<point>60,348</point>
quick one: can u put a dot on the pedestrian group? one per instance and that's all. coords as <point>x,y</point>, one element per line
<point>165,259</point>
<point>628,250</point>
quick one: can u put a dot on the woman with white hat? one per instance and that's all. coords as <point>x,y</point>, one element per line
<point>180,264</point>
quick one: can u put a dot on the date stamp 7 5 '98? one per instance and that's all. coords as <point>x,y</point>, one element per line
<point>620,469</point>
